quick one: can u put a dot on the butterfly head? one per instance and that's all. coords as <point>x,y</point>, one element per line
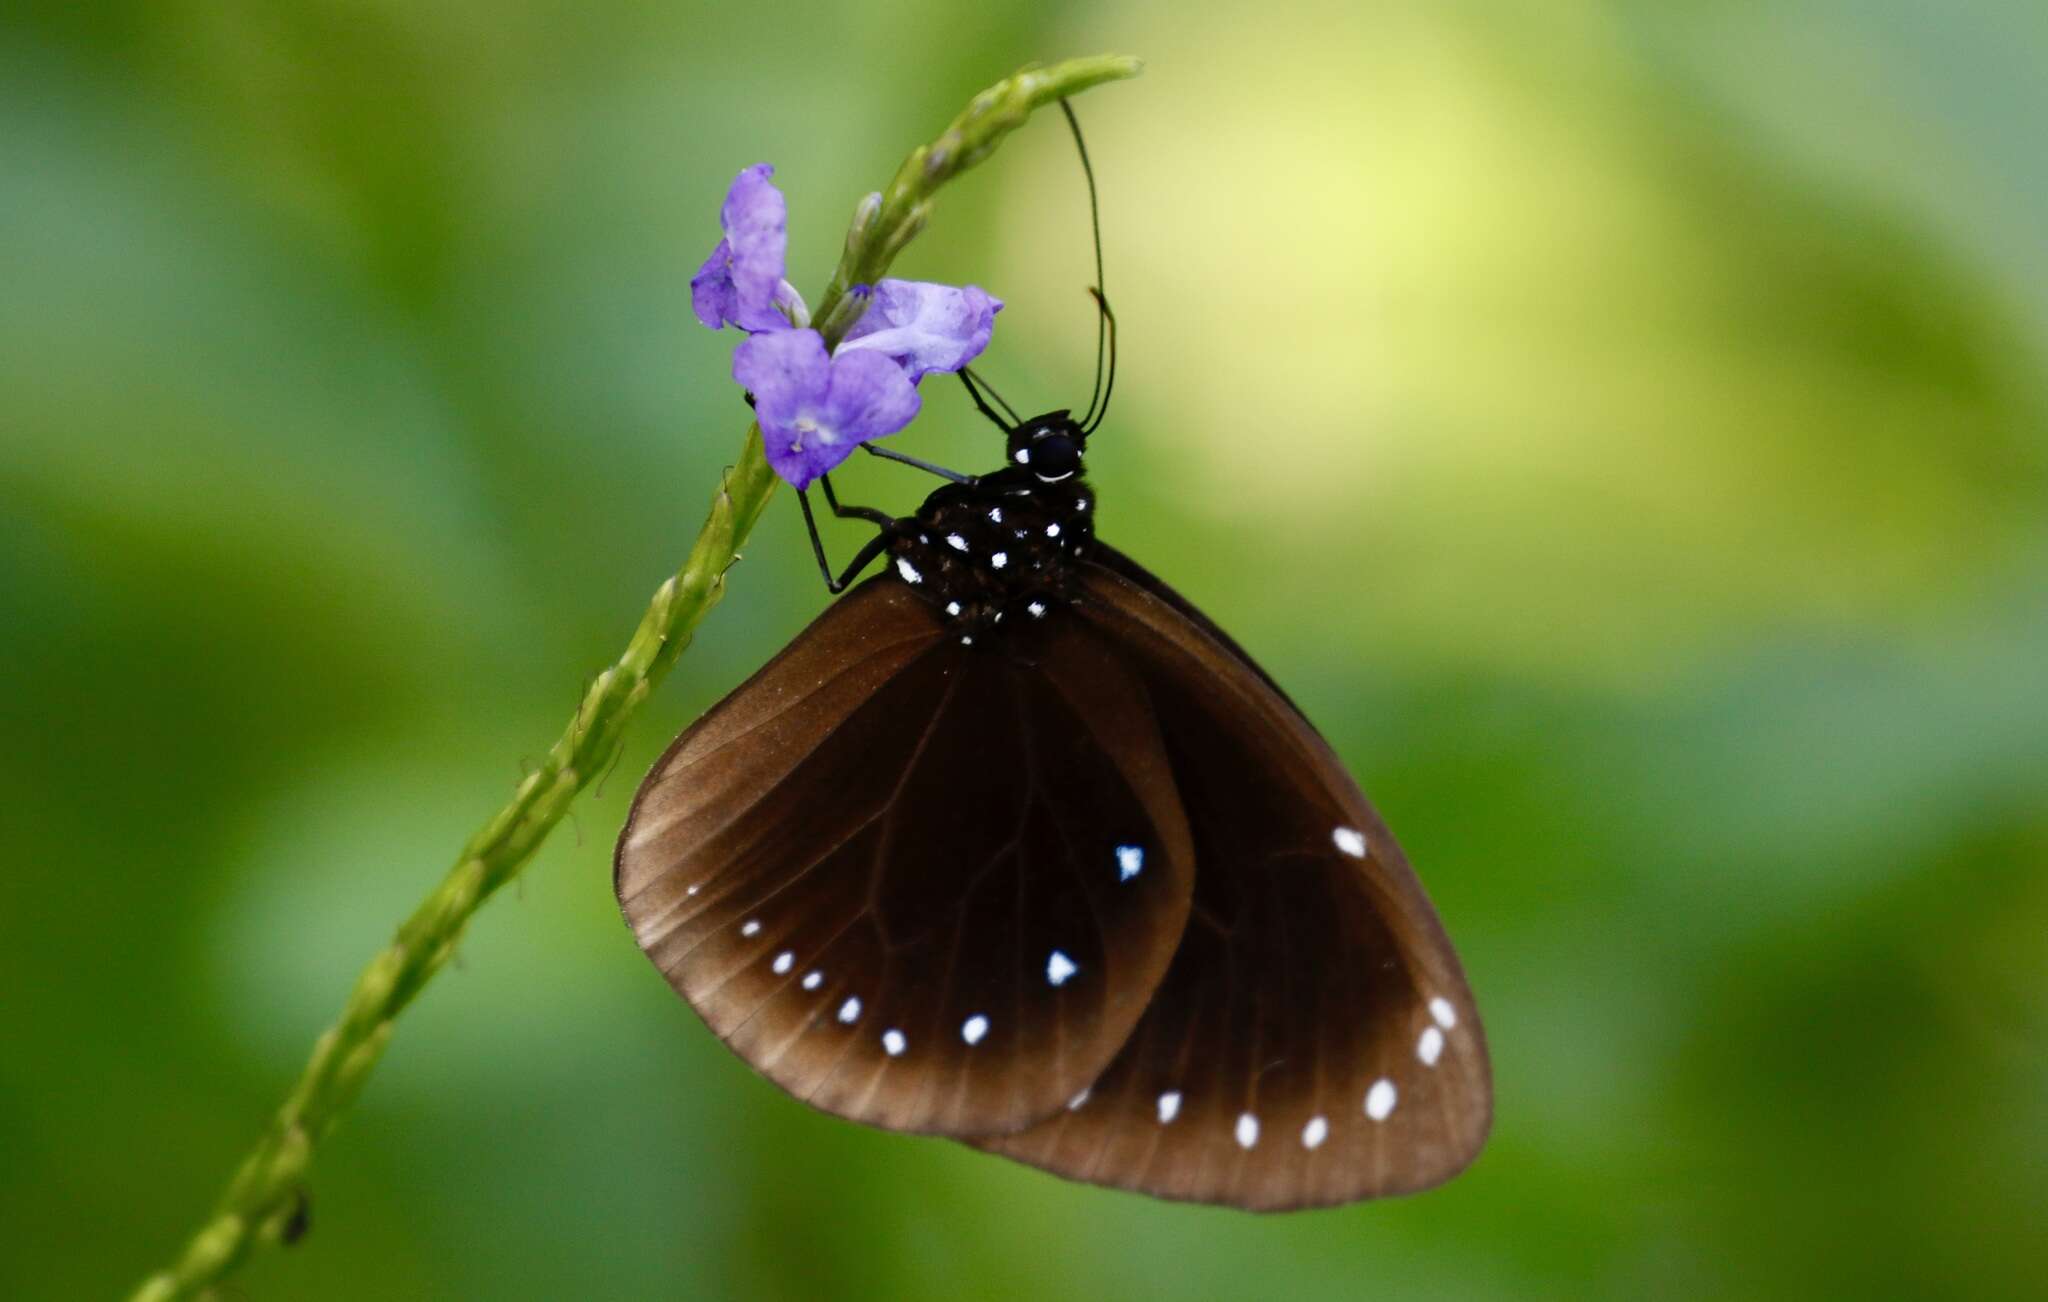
<point>1049,446</point>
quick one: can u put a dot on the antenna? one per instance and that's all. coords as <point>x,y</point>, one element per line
<point>1107,317</point>
<point>1105,321</point>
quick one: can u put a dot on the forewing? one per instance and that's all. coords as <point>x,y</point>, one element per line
<point>917,883</point>
<point>1314,1041</point>
<point>1124,567</point>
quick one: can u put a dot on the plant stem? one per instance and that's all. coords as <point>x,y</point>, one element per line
<point>267,1189</point>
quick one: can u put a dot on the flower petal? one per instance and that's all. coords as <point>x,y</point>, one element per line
<point>738,283</point>
<point>925,327</point>
<point>869,397</point>
<point>711,288</point>
<point>756,221</point>
<point>788,372</point>
<point>814,410</point>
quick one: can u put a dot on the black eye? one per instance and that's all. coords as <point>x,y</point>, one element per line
<point>1054,457</point>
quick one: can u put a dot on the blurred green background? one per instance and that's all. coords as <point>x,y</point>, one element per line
<point>1620,424</point>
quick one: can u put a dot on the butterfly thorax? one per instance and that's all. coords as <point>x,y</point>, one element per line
<point>1003,547</point>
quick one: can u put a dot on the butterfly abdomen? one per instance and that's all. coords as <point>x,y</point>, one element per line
<point>1005,547</point>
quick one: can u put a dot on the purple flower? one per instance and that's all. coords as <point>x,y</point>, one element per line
<point>816,409</point>
<point>925,327</point>
<point>741,281</point>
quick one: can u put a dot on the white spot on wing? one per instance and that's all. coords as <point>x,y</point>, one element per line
<point>1314,1133</point>
<point>1445,1015</point>
<point>974,1028</point>
<point>908,571</point>
<point>999,560</point>
<point>784,962</point>
<point>1059,967</point>
<point>1430,1047</point>
<point>750,927</point>
<point>952,608</point>
<point>995,515</point>
<point>1074,1103</point>
<point>1037,609</point>
<point>1052,531</point>
<point>812,980</point>
<point>1379,1100</point>
<point>849,1012</point>
<point>956,542</point>
<point>894,1043</point>
<point>1247,1130</point>
<point>1130,861</point>
<point>1169,1106</point>
<point>1350,840</point>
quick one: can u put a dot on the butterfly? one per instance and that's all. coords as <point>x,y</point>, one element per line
<point>1014,845</point>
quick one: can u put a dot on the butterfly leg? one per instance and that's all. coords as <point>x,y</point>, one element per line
<point>926,466</point>
<point>974,392</point>
<point>861,559</point>
<point>867,513</point>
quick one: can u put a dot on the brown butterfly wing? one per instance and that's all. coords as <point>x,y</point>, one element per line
<point>1109,558</point>
<point>885,869</point>
<point>1314,1041</point>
